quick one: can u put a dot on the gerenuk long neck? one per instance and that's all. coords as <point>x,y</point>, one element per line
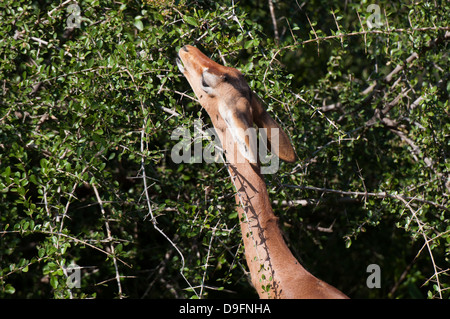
<point>275,272</point>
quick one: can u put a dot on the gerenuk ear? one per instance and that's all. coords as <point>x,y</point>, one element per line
<point>262,119</point>
<point>239,126</point>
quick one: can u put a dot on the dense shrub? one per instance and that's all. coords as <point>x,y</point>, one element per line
<point>91,96</point>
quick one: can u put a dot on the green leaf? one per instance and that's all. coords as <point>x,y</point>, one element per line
<point>248,44</point>
<point>7,172</point>
<point>9,289</point>
<point>191,20</point>
<point>139,25</point>
<point>348,242</point>
<point>54,282</point>
<point>233,215</point>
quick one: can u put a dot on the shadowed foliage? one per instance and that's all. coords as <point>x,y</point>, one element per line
<point>90,98</point>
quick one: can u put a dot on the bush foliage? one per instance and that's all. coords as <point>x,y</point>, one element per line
<point>90,98</point>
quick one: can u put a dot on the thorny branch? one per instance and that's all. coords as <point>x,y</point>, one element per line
<point>427,243</point>
<point>110,239</point>
<point>366,194</point>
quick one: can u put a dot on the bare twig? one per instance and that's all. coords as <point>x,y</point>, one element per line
<point>207,258</point>
<point>337,25</point>
<point>274,22</point>
<point>365,35</point>
<point>66,209</point>
<point>427,241</point>
<point>400,67</point>
<point>316,109</point>
<point>316,38</point>
<point>110,239</point>
<point>150,211</point>
<point>59,7</point>
<point>372,194</point>
<point>45,43</point>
